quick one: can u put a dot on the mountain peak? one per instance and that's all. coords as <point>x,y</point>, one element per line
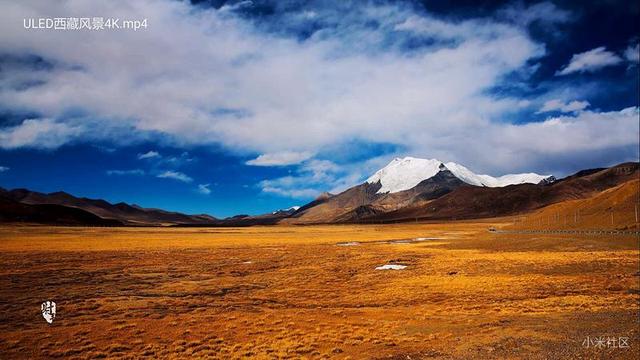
<point>290,210</point>
<point>405,173</point>
<point>324,196</point>
<point>408,159</point>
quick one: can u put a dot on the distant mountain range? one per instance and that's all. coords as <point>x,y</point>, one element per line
<point>407,189</point>
<point>449,195</point>
<point>30,206</point>
<point>406,173</point>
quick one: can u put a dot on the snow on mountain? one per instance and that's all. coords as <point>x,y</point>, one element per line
<point>289,210</point>
<point>406,173</point>
<point>470,177</point>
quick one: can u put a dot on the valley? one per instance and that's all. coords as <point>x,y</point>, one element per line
<point>421,261</point>
<point>406,190</point>
<point>315,180</point>
<point>450,290</point>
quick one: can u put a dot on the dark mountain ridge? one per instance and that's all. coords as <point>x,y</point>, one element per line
<point>50,214</point>
<point>440,197</point>
<point>121,212</point>
<point>469,202</point>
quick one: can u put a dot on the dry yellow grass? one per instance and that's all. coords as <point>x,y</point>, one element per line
<point>617,208</point>
<point>291,292</point>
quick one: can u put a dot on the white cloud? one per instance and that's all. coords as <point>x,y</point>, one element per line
<point>584,132</point>
<point>4,168</point>
<point>538,146</point>
<point>149,155</point>
<point>228,82</point>
<point>316,176</point>
<point>309,181</point>
<point>39,133</point>
<point>284,187</point>
<point>576,136</point>
<point>254,92</point>
<point>280,159</point>
<point>176,175</point>
<point>523,103</point>
<point>632,53</point>
<point>174,161</point>
<point>236,6</point>
<point>204,189</point>
<point>105,149</point>
<point>575,106</point>
<point>125,172</point>
<point>559,105</point>
<point>590,61</point>
<point>546,13</point>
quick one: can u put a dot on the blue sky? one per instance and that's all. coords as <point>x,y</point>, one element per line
<point>249,106</point>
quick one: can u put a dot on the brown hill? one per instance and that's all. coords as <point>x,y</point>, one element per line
<point>327,209</point>
<point>363,201</point>
<point>249,220</point>
<point>13,211</point>
<point>468,202</point>
<point>617,208</point>
<point>442,197</point>
<point>122,212</point>
<point>445,197</point>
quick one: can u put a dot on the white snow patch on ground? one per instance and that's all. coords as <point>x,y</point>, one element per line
<point>352,243</point>
<point>391,267</point>
<point>411,241</point>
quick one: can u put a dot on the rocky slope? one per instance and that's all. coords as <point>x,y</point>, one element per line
<point>446,197</point>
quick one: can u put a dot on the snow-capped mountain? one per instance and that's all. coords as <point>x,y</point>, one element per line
<point>289,210</point>
<point>406,173</point>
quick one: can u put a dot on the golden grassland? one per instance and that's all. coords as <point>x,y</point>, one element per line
<point>292,292</point>
<point>617,208</point>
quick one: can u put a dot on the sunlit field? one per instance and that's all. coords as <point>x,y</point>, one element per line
<point>314,292</point>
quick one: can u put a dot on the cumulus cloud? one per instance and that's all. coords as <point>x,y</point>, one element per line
<point>312,178</point>
<point>569,133</point>
<point>149,155</point>
<point>177,160</point>
<point>3,169</point>
<point>204,189</point>
<point>590,61</point>
<point>535,146</point>
<point>175,175</point>
<point>125,172</point>
<point>607,134</point>
<point>316,176</point>
<point>559,105</point>
<point>256,88</point>
<point>280,159</point>
<point>288,186</point>
<point>254,91</point>
<point>236,6</point>
<point>546,13</point>
<point>632,53</point>
<point>40,133</point>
